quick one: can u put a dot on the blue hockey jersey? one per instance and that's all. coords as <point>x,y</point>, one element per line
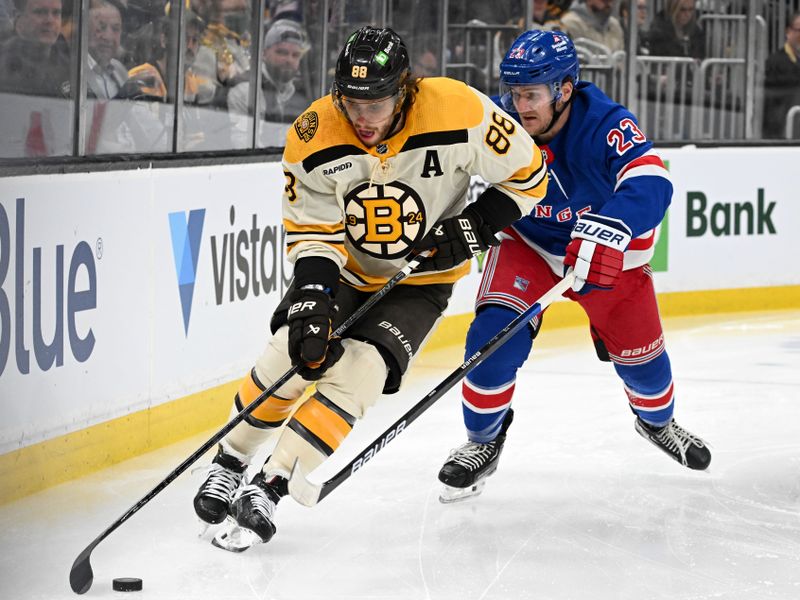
<point>599,162</point>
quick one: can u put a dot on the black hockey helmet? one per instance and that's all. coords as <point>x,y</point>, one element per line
<point>373,64</point>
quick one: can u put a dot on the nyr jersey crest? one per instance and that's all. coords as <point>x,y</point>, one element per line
<point>384,220</point>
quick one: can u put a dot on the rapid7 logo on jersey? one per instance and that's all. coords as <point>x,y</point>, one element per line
<point>384,220</point>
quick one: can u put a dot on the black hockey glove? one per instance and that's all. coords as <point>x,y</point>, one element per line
<point>310,345</point>
<point>455,240</point>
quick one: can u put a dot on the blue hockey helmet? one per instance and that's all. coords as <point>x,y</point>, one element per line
<point>537,57</point>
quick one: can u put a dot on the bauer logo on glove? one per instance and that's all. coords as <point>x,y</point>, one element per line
<point>455,240</point>
<point>310,346</point>
<point>596,252</point>
<point>601,234</point>
<point>302,306</point>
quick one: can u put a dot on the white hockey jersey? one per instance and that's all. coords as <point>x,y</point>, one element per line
<point>365,208</point>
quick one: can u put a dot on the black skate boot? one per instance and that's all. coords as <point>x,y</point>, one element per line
<point>466,469</point>
<point>253,511</point>
<point>674,440</point>
<point>213,499</point>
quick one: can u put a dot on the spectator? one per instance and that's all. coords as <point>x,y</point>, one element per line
<point>641,23</point>
<point>546,14</point>
<point>224,53</point>
<point>149,80</point>
<point>106,75</point>
<point>6,19</point>
<point>592,19</point>
<point>137,36</point>
<point>285,44</point>
<point>35,60</point>
<point>285,9</point>
<point>782,81</point>
<point>426,64</point>
<point>425,56</point>
<point>676,32</point>
<point>556,8</point>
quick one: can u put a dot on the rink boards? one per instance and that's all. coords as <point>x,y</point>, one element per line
<point>132,301</point>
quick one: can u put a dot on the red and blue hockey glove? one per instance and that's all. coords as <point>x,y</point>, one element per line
<point>596,252</point>
<point>310,345</point>
<point>455,240</point>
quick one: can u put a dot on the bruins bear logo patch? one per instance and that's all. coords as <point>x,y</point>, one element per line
<point>306,126</point>
<point>384,220</point>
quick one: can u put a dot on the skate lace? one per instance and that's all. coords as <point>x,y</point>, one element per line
<point>472,454</point>
<point>676,439</point>
<point>259,501</point>
<point>221,482</point>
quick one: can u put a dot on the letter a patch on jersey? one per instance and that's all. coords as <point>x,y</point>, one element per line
<point>306,126</point>
<point>432,164</point>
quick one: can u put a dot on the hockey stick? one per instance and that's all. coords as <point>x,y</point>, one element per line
<point>81,575</point>
<point>309,494</point>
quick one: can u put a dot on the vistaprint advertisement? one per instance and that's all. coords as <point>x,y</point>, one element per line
<point>123,290</point>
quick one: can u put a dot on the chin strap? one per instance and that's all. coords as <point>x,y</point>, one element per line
<point>556,115</point>
<point>395,122</point>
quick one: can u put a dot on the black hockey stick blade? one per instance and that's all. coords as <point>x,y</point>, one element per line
<point>308,494</point>
<point>81,575</point>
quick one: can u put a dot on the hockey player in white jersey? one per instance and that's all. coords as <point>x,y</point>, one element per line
<point>377,170</point>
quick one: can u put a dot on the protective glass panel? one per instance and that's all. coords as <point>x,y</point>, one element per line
<point>36,80</point>
<point>344,18</point>
<point>478,36</point>
<point>130,73</point>
<point>217,108</point>
<point>420,25</point>
<point>286,88</point>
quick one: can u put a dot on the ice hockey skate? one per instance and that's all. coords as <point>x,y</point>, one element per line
<point>466,469</point>
<point>681,445</point>
<point>213,500</point>
<point>252,516</point>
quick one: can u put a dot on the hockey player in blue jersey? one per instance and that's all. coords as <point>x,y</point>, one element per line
<point>607,194</point>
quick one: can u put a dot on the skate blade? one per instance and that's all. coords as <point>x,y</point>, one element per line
<point>451,495</point>
<point>235,538</point>
<point>204,529</point>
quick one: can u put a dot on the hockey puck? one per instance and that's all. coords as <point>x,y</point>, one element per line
<point>127,584</point>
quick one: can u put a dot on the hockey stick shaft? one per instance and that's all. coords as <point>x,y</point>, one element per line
<point>81,575</point>
<point>309,494</point>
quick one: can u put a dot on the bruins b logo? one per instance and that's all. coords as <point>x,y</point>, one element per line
<point>384,220</point>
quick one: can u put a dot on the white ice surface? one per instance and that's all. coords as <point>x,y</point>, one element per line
<point>581,506</point>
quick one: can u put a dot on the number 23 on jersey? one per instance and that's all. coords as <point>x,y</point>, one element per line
<point>616,137</point>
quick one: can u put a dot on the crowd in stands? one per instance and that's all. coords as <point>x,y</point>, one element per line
<point>131,55</point>
<point>132,52</point>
